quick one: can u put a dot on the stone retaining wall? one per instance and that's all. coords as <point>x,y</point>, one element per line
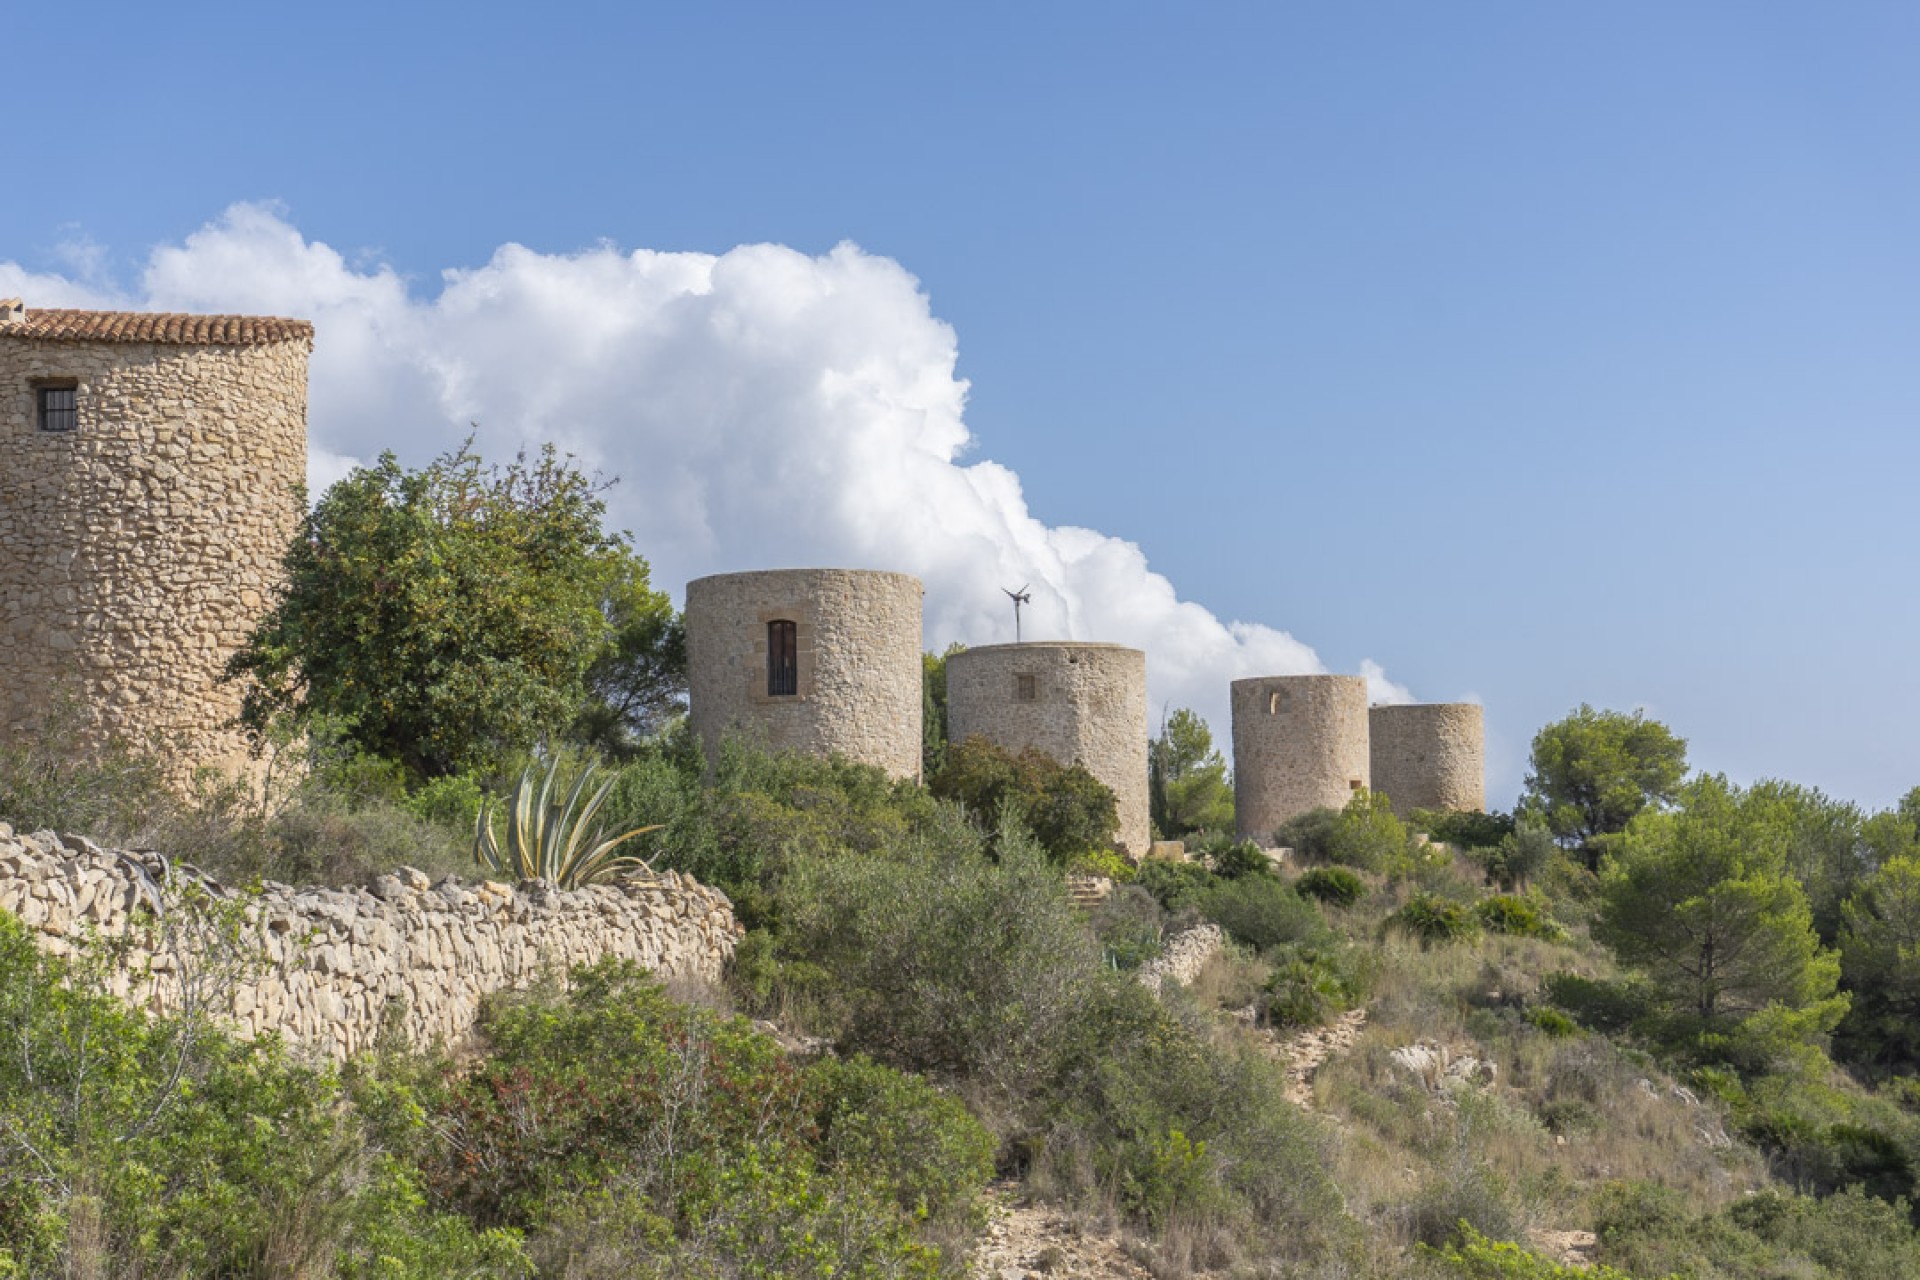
<point>335,965</point>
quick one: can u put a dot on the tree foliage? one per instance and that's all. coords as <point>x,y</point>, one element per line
<point>449,614</point>
<point>1188,787</point>
<point>1701,900</point>
<point>1595,770</point>
<point>1880,960</point>
<point>1068,810</point>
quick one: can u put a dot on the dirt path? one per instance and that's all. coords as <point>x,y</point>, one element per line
<point>1038,1242</point>
<point>1305,1052</point>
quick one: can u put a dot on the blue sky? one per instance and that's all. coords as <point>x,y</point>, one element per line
<point>1538,355</point>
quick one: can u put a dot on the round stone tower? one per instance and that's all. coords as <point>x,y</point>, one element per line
<point>812,660</point>
<point>147,498</point>
<point>1430,755</point>
<point>1082,704</point>
<point>1299,743</point>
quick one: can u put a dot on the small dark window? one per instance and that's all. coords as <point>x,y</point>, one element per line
<point>58,406</point>
<point>783,659</point>
<point>1025,689</point>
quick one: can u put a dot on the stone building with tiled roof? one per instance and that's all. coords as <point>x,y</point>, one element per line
<point>150,488</point>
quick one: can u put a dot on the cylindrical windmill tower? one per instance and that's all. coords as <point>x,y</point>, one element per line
<point>1072,701</point>
<point>1299,743</point>
<point>147,498</point>
<point>1079,703</point>
<point>820,661</point>
<point>1430,755</point>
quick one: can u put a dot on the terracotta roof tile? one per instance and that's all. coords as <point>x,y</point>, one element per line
<point>156,326</point>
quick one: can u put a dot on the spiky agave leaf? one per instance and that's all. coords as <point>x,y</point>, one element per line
<point>546,841</point>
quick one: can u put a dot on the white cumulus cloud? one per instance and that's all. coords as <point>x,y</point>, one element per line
<point>762,408</point>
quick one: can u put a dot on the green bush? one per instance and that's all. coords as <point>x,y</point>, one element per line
<point>1516,917</point>
<point>1310,835</point>
<point>1433,921</point>
<point>1312,983</point>
<point>1465,1201</point>
<point>897,1134</point>
<point>1129,927</point>
<point>948,963</point>
<point>1193,1138</point>
<point>1175,885</point>
<point>1606,1007</point>
<point>1067,809</point>
<point>136,1146</point>
<point>1471,1256</point>
<point>1261,912</point>
<point>1334,885</point>
<point>615,1111</point>
<point>1463,829</point>
<point>1552,1022</point>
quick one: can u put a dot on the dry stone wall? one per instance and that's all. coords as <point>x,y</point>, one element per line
<point>332,967</point>
<point>1299,743</point>
<point>1430,755</point>
<point>1082,704</point>
<point>858,684</point>
<point>139,547</point>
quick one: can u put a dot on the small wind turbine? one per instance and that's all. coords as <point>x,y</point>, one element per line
<point>1019,598</point>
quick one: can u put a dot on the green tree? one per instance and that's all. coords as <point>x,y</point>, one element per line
<point>1595,770</point>
<point>638,685</point>
<point>1701,900</point>
<point>1187,778</point>
<point>933,709</point>
<point>449,614</point>
<point>1880,961</point>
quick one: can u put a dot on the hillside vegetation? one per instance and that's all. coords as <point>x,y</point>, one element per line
<point>1649,1024</point>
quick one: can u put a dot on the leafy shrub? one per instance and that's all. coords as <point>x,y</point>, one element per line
<point>1230,859</point>
<point>1193,1138</point>
<point>1474,1257</point>
<point>1467,1197</point>
<point>1128,926</point>
<point>137,1146</point>
<point>1606,1007</point>
<point>1311,984</point>
<point>1067,809</point>
<point>1103,862</point>
<point>1552,1022</point>
<point>900,1136</point>
<point>1261,912</point>
<point>1310,835</point>
<point>1463,829</point>
<point>1522,853</point>
<point>1174,884</point>
<point>948,963</point>
<point>1335,885</point>
<point>615,1112</point>
<point>1516,917</point>
<point>1433,921</point>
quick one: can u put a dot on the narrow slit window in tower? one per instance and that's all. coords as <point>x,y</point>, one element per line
<point>783,660</point>
<point>57,405</point>
<point>1025,688</point>
<point>1276,702</point>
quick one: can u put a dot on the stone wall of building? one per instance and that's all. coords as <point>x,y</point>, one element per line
<point>1430,755</point>
<point>1082,704</point>
<point>858,689</point>
<point>329,968</point>
<point>139,548</point>
<point>1299,743</point>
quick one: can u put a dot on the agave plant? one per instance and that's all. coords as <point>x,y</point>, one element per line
<point>549,839</point>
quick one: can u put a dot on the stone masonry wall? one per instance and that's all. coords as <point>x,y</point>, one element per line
<point>138,550</point>
<point>1299,743</point>
<point>1081,704</point>
<point>337,964</point>
<point>859,663</point>
<point>1430,755</point>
